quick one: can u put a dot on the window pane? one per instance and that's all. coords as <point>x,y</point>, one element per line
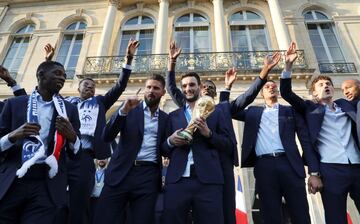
<point>320,15</point>
<point>336,54</point>
<point>237,16</point>
<point>308,16</point>
<point>146,40</point>
<point>71,26</point>
<point>258,38</point>
<point>182,37</point>
<point>184,18</point>
<point>132,21</point>
<point>26,29</point>
<point>201,39</point>
<point>239,39</point>
<point>252,15</point>
<point>82,26</point>
<point>72,62</point>
<point>65,45</point>
<point>199,18</point>
<point>146,20</point>
<point>126,35</point>
<point>16,53</point>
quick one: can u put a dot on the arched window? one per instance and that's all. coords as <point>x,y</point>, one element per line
<point>323,38</point>
<point>192,33</point>
<point>248,32</point>
<point>18,47</point>
<point>139,28</point>
<point>70,47</point>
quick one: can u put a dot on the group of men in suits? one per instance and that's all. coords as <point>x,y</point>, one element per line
<point>199,178</point>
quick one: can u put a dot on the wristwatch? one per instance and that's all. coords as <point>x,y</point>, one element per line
<point>317,174</point>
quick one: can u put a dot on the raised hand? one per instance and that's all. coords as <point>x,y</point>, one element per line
<point>65,128</point>
<point>130,103</point>
<point>269,63</point>
<point>290,56</point>
<point>230,77</point>
<point>5,75</point>
<point>25,130</point>
<point>49,52</point>
<point>131,48</point>
<point>174,51</point>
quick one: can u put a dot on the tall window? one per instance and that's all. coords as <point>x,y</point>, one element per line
<point>248,32</point>
<point>323,38</point>
<point>192,33</point>
<point>139,28</point>
<point>70,47</point>
<point>18,47</point>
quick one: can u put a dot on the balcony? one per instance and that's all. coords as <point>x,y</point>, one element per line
<point>341,68</point>
<point>211,63</point>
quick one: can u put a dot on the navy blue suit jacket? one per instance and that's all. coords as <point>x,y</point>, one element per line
<point>314,112</point>
<point>102,149</point>
<point>18,92</point>
<point>230,155</point>
<point>290,123</point>
<point>205,151</point>
<point>131,128</point>
<point>12,117</point>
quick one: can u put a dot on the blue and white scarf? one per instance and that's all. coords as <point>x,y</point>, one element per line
<point>33,147</point>
<point>88,114</point>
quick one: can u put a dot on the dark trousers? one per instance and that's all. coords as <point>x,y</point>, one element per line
<point>81,179</point>
<point>339,180</point>
<point>27,201</point>
<point>204,199</point>
<point>275,178</point>
<point>138,190</point>
<point>229,197</point>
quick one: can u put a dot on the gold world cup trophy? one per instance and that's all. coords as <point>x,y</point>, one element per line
<point>203,108</point>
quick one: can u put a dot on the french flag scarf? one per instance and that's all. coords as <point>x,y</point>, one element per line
<point>33,147</point>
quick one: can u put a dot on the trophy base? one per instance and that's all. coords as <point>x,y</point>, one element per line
<point>186,135</point>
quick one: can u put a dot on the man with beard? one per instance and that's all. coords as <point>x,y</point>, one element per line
<point>351,90</point>
<point>228,156</point>
<point>92,110</point>
<point>36,140</point>
<point>133,175</point>
<point>332,127</point>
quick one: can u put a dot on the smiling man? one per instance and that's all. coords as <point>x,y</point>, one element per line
<point>33,174</point>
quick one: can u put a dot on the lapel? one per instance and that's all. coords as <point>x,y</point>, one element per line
<point>347,108</point>
<point>161,127</point>
<point>258,114</point>
<point>52,133</point>
<point>182,118</point>
<point>139,116</point>
<point>282,118</point>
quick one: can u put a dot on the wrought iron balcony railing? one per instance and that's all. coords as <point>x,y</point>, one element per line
<point>337,68</point>
<point>246,62</point>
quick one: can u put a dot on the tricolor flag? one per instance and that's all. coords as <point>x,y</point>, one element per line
<point>349,218</point>
<point>240,212</point>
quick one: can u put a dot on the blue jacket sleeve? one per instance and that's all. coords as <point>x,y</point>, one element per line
<point>174,92</point>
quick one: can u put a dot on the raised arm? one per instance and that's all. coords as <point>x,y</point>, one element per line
<point>115,92</point>
<point>230,77</point>
<point>11,82</point>
<point>286,92</point>
<point>117,121</point>
<point>174,92</point>
<point>242,101</point>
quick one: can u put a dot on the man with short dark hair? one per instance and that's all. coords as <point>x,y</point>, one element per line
<point>333,134</point>
<point>92,110</point>
<point>133,176</point>
<point>33,174</point>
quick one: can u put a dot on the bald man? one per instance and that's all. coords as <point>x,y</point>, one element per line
<point>351,90</point>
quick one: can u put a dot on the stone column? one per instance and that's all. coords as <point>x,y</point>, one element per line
<point>219,26</point>
<point>107,30</point>
<point>161,42</point>
<point>281,33</point>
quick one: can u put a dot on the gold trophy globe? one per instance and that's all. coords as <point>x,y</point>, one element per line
<point>204,106</point>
